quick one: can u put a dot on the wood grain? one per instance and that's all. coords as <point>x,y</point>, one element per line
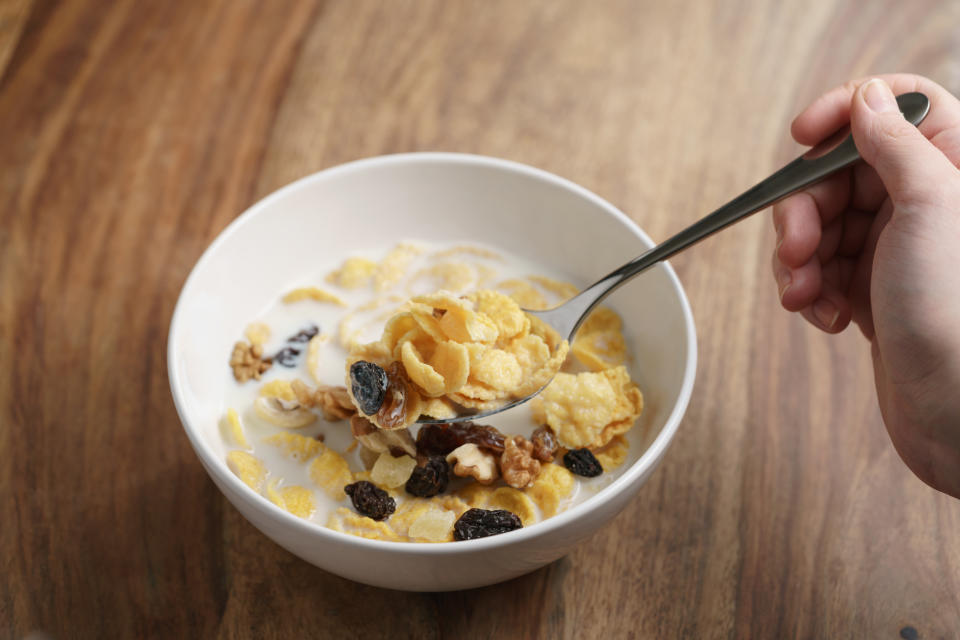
<point>132,133</point>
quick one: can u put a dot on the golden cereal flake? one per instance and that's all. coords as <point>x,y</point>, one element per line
<point>389,472</point>
<point>420,372</point>
<point>295,446</point>
<point>394,266</point>
<point>514,501</point>
<point>563,290</point>
<point>524,294</point>
<point>589,409</point>
<point>257,333</point>
<point>280,389</point>
<point>600,343</point>
<point>553,484</point>
<point>354,273</point>
<point>314,348</point>
<point>313,293</point>
<point>331,472</point>
<point>233,430</point>
<point>248,468</point>
<point>439,408</point>
<point>475,495</point>
<point>613,454</point>
<point>435,525</point>
<point>498,369</point>
<point>347,521</point>
<point>503,310</point>
<point>296,499</point>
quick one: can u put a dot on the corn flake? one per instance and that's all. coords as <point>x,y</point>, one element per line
<point>257,333</point>
<point>600,343</point>
<point>331,472</point>
<point>280,389</point>
<point>524,294</point>
<point>394,266</point>
<point>233,429</point>
<point>353,273</point>
<point>589,409</point>
<point>296,499</point>
<point>295,446</point>
<point>347,521</point>
<point>312,293</point>
<point>248,468</point>
<point>515,502</point>
<point>553,484</point>
<point>613,454</point>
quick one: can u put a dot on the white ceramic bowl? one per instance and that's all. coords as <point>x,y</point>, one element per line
<point>436,197</point>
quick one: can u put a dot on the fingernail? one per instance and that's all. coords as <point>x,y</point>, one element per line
<point>879,97</point>
<point>783,280</point>
<point>825,312</point>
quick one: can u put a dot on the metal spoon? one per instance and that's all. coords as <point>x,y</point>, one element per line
<point>830,156</point>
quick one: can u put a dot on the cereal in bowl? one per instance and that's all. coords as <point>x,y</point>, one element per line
<point>328,385</point>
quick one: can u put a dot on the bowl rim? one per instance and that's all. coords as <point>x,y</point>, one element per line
<point>647,461</point>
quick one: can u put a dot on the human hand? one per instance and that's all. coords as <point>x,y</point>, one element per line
<point>879,245</point>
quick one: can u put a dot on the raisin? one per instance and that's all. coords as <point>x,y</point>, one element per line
<point>582,462</point>
<point>305,335</point>
<point>370,500</point>
<point>441,439</point>
<point>393,412</point>
<point>430,478</point>
<point>480,523</point>
<point>287,357</point>
<point>544,444</point>
<point>368,382</point>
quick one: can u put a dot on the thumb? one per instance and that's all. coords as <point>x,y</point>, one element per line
<point>912,169</point>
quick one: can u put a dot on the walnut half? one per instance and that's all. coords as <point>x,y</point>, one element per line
<point>247,361</point>
<point>517,464</point>
<point>471,460</point>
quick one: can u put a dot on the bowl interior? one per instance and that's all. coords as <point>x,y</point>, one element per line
<point>448,198</point>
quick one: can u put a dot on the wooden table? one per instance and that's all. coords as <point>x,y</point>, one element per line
<point>132,132</point>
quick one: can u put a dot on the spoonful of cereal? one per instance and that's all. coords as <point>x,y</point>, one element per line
<point>451,359</point>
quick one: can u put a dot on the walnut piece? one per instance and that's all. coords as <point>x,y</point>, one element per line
<point>394,441</point>
<point>334,401</point>
<point>471,460</point>
<point>517,465</point>
<point>247,361</point>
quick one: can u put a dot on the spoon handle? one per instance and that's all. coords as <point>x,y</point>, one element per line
<point>836,153</point>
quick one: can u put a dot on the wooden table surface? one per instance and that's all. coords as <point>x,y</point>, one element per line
<point>132,132</point>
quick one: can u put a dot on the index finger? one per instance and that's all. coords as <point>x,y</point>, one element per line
<point>829,112</point>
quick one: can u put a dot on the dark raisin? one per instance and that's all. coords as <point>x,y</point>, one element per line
<point>430,478</point>
<point>370,500</point>
<point>441,439</point>
<point>368,382</point>
<point>480,523</point>
<point>582,462</point>
<point>287,357</point>
<point>393,412</point>
<point>305,335</point>
<point>544,444</point>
